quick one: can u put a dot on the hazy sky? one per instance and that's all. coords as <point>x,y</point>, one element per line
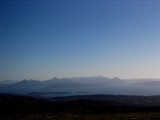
<point>55,38</point>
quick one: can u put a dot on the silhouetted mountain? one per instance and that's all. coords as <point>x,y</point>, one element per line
<point>116,80</point>
<point>150,83</point>
<point>140,80</point>
<point>98,80</point>
<point>27,86</point>
<point>53,83</point>
<point>83,86</point>
<point>3,82</point>
<point>92,79</point>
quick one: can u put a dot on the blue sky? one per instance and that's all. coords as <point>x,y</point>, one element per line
<point>55,38</point>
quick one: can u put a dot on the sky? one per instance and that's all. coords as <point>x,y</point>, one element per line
<point>42,39</point>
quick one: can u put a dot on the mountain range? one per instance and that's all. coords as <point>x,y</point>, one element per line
<point>82,86</point>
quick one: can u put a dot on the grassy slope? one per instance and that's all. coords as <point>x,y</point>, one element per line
<point>73,116</point>
<point>15,107</point>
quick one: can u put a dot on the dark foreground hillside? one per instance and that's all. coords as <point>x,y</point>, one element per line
<point>93,107</point>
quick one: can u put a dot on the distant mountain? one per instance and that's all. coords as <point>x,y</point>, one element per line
<point>98,80</point>
<point>35,85</point>
<point>117,80</point>
<point>8,82</point>
<point>30,86</point>
<point>150,83</point>
<point>92,79</point>
<point>28,83</point>
<point>83,86</point>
